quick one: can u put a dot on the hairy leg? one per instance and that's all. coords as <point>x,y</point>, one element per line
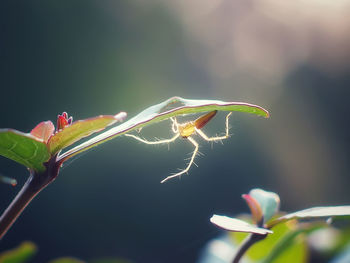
<point>153,142</point>
<point>217,138</point>
<point>189,164</point>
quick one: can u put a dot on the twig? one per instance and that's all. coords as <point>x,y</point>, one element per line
<point>35,183</point>
<point>246,244</point>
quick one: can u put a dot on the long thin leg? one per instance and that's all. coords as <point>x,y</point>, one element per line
<point>174,125</point>
<point>154,142</point>
<point>218,138</point>
<point>190,163</point>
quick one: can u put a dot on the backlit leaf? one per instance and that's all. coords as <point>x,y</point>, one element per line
<point>170,108</point>
<point>24,148</point>
<point>78,130</point>
<point>315,212</point>
<point>290,248</point>
<point>236,225</point>
<point>43,130</point>
<point>294,251</point>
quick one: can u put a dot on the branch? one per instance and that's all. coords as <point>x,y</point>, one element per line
<point>35,183</point>
<point>246,244</point>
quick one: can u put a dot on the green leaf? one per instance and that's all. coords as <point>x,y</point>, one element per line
<point>237,225</point>
<point>287,245</point>
<point>170,108</point>
<point>79,130</point>
<point>21,254</point>
<point>24,149</point>
<point>296,251</point>
<point>269,202</point>
<point>110,260</point>
<point>315,212</point>
<point>66,260</point>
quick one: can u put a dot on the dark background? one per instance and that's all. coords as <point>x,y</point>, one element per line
<point>101,57</point>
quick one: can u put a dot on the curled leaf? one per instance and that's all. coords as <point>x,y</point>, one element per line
<point>172,107</point>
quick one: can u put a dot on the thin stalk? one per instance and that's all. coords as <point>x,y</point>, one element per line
<point>35,183</point>
<point>246,244</point>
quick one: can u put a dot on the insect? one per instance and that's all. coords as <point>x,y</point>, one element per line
<point>186,130</point>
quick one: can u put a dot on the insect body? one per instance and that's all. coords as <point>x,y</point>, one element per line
<point>186,130</point>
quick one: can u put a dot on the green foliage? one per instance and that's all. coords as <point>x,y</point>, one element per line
<point>33,151</point>
<point>287,243</point>
<point>77,131</point>
<point>110,260</point>
<point>24,149</point>
<point>294,251</point>
<point>66,260</point>
<point>23,253</point>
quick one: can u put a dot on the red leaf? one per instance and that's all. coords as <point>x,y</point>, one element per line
<point>43,130</point>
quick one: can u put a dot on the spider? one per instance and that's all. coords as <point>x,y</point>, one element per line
<point>186,130</point>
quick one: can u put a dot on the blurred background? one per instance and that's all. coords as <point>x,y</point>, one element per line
<point>101,57</point>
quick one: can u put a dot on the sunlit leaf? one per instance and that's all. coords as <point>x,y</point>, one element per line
<point>296,251</point>
<point>24,148</point>
<point>315,212</point>
<point>237,225</point>
<point>66,260</point>
<point>170,108</point>
<point>110,260</point>
<point>79,130</point>
<point>288,248</point>
<point>21,254</point>
<point>43,130</point>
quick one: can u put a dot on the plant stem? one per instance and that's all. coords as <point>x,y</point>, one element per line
<point>246,244</point>
<point>35,183</point>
